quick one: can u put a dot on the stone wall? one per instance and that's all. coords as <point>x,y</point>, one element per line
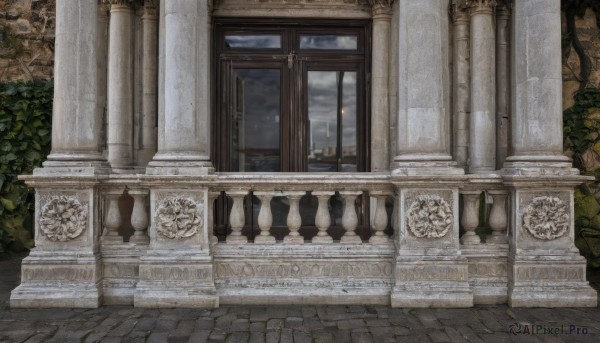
<point>589,35</point>
<point>26,39</point>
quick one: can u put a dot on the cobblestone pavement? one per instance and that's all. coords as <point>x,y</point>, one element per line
<point>290,323</point>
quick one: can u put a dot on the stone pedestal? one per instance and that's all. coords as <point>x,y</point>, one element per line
<point>177,271</point>
<point>545,268</point>
<point>429,270</point>
<point>64,268</point>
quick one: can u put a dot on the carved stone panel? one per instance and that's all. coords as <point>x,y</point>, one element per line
<point>546,218</point>
<point>429,216</point>
<point>179,218</point>
<point>63,218</point>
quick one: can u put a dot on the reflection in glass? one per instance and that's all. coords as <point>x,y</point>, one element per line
<point>329,42</point>
<point>332,97</point>
<point>255,120</point>
<point>253,41</point>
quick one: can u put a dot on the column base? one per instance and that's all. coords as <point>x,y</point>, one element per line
<point>264,240</point>
<point>55,167</point>
<point>184,281</point>
<point>52,281</point>
<point>431,282</point>
<point>539,165</point>
<point>417,165</point>
<point>549,281</point>
<point>188,164</point>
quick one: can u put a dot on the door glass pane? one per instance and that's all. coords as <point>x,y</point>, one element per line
<point>349,141</point>
<point>332,97</point>
<point>253,41</point>
<point>322,120</point>
<point>329,42</point>
<point>256,111</point>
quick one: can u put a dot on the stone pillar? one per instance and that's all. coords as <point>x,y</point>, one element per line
<point>380,122</point>
<point>482,130</point>
<point>149,82</point>
<point>537,130</point>
<point>462,82</point>
<point>76,121</point>
<point>423,145</point>
<point>502,81</point>
<point>120,87</point>
<point>184,116</point>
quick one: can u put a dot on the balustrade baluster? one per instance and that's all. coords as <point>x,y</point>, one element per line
<point>212,196</point>
<point>139,217</point>
<point>237,218</point>
<point>265,218</point>
<point>381,218</point>
<point>498,220</point>
<point>349,219</point>
<point>294,221</point>
<point>112,219</point>
<point>470,217</point>
<point>323,218</point>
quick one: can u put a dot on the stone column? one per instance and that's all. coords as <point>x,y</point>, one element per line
<point>482,130</point>
<point>184,116</point>
<point>149,82</point>
<point>462,82</point>
<point>423,72</point>
<point>76,122</point>
<point>380,140</point>
<point>537,130</point>
<point>120,87</point>
<point>502,81</point>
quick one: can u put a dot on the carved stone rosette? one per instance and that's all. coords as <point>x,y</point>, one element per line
<point>546,218</point>
<point>429,216</point>
<point>63,219</point>
<point>179,218</point>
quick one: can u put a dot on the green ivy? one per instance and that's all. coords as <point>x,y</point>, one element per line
<point>25,132</point>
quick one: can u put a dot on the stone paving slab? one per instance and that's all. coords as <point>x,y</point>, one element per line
<point>297,324</point>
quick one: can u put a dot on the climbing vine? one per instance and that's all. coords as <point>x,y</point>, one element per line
<point>25,119</point>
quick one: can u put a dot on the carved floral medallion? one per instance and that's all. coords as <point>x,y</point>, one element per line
<point>178,218</point>
<point>429,216</point>
<point>63,218</point>
<point>546,218</point>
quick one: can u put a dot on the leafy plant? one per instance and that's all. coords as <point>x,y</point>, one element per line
<point>25,132</point>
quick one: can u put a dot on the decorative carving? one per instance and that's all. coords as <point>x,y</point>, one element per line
<point>457,10</point>
<point>546,218</point>
<point>179,218</point>
<point>304,269</point>
<point>63,218</point>
<point>381,8</point>
<point>481,5</point>
<point>429,216</point>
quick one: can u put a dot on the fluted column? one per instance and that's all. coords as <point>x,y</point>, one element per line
<point>423,72</point>
<point>184,87</point>
<point>462,82</point>
<point>76,122</point>
<point>120,87</point>
<point>482,132</point>
<point>536,125</point>
<point>502,81</point>
<point>380,122</point>
<point>148,139</point>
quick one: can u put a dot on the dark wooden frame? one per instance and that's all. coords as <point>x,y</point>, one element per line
<point>294,116</point>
